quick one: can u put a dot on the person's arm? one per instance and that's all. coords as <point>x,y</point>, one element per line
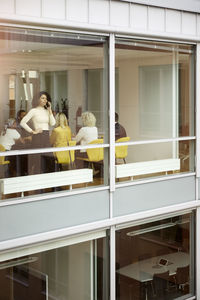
<point>52,120</point>
<point>79,135</point>
<point>69,135</point>
<point>26,119</point>
<point>53,137</point>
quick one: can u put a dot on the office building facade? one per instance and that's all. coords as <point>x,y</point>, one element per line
<point>116,216</point>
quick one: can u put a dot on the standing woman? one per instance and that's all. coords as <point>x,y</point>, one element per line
<point>42,118</point>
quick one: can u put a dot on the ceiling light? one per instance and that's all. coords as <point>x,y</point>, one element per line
<point>18,262</point>
<point>149,229</point>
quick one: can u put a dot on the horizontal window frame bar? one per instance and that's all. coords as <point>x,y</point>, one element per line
<point>95,146</point>
<point>52,149</point>
<point>27,199</point>
<point>157,141</point>
<point>27,241</point>
<point>119,41</point>
<point>49,28</point>
<point>154,39</point>
<point>163,178</point>
<point>153,219</point>
<point>155,179</point>
<point>53,34</point>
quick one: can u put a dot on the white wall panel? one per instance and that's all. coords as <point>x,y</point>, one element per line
<point>119,14</point>
<point>53,9</point>
<point>138,16</point>
<point>99,12</point>
<point>189,23</point>
<point>28,8</point>
<point>77,10</point>
<point>156,19</point>
<point>173,21</point>
<point>7,6</point>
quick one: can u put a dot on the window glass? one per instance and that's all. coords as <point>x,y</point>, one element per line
<point>77,271</point>
<point>54,93</point>
<point>155,87</point>
<point>154,260</point>
<point>134,162</point>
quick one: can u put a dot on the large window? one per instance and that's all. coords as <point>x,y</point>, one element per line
<point>155,260</point>
<point>54,93</point>
<point>155,108</point>
<point>76,271</point>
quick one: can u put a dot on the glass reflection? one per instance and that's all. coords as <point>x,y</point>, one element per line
<point>49,81</point>
<point>154,89</point>
<point>55,274</point>
<point>154,260</point>
<point>135,162</point>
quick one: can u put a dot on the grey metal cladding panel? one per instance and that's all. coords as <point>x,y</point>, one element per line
<point>188,5</point>
<point>147,196</point>
<point>46,215</point>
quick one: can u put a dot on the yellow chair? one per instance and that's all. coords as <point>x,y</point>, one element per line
<point>121,152</point>
<point>3,162</point>
<point>66,157</point>
<point>95,155</point>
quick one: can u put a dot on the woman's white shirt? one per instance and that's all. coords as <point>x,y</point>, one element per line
<point>8,140</point>
<point>40,117</point>
<point>86,135</point>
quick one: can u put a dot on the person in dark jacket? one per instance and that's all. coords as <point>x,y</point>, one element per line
<point>120,131</point>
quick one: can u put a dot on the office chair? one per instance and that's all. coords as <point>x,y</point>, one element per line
<point>3,164</point>
<point>121,152</point>
<point>95,155</point>
<point>182,277</point>
<point>66,157</point>
<point>161,284</point>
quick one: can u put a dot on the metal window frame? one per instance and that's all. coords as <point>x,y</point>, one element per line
<point>111,222</point>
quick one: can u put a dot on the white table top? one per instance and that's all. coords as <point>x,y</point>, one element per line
<point>145,269</point>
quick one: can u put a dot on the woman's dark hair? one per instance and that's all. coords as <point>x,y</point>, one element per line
<point>19,114</point>
<point>37,96</point>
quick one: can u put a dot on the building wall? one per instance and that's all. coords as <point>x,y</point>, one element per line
<point>103,15</point>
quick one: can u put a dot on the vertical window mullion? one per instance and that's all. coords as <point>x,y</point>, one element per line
<point>112,110</point>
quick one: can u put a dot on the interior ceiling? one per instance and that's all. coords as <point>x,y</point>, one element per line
<point>16,56</point>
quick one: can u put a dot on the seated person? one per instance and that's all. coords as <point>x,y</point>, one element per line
<point>86,134</point>
<point>89,131</point>
<point>20,114</point>
<point>61,134</point>
<point>120,131</point>
<point>8,139</point>
<point>10,135</point>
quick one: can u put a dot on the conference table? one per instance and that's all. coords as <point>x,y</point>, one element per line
<point>144,270</point>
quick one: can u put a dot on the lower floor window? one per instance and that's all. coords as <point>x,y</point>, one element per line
<point>154,260</point>
<point>77,271</point>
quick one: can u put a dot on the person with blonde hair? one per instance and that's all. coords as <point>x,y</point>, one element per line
<point>89,131</point>
<point>61,134</point>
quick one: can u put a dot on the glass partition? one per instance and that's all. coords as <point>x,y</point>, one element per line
<point>54,93</point>
<point>155,90</point>
<point>134,162</point>
<point>155,260</point>
<point>77,271</point>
